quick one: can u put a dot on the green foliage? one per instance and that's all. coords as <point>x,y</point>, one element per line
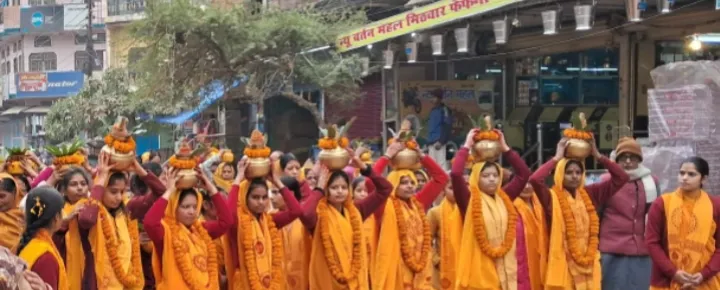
<point>17,151</point>
<point>65,149</point>
<point>189,46</point>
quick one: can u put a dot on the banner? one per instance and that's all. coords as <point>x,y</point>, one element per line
<point>463,98</point>
<point>75,17</point>
<point>421,18</point>
<point>42,19</point>
<point>49,84</point>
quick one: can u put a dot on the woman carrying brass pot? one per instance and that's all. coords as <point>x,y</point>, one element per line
<point>573,258</point>
<point>491,253</point>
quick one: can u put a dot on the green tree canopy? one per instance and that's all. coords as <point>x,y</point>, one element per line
<point>189,46</point>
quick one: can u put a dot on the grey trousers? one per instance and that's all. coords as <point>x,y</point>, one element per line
<point>620,272</point>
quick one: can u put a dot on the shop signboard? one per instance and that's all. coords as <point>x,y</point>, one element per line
<point>465,99</point>
<point>49,84</point>
<point>75,17</point>
<point>421,18</point>
<point>42,19</point>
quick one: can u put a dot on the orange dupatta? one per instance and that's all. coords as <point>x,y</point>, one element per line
<point>42,243</point>
<point>690,230</point>
<point>339,249</point>
<point>12,221</point>
<point>563,272</point>
<point>74,253</point>
<point>189,257</point>
<point>391,270</point>
<point>260,250</point>
<point>297,243</point>
<point>476,269</point>
<point>222,183</point>
<point>451,225</point>
<point>535,239</point>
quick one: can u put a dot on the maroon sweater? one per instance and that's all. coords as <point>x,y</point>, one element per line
<point>48,269</point>
<point>156,231</point>
<point>366,207</point>
<point>663,269</point>
<point>281,219</point>
<point>599,192</point>
<point>513,189</point>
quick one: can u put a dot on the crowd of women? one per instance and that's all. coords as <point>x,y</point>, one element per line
<point>320,227</point>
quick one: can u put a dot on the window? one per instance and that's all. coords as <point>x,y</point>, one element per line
<point>43,41</point>
<point>14,47</point>
<point>82,58</point>
<point>44,61</point>
<point>15,65</point>
<point>16,2</point>
<point>97,38</point>
<point>41,2</point>
<point>22,63</point>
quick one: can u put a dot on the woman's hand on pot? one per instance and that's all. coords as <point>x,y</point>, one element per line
<point>393,149</point>
<point>356,161</point>
<point>241,168</point>
<point>503,143</point>
<point>137,168</point>
<point>560,149</point>
<point>323,177</point>
<point>205,182</point>
<point>470,138</point>
<point>595,152</point>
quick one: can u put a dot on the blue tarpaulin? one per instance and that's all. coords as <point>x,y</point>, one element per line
<point>211,94</point>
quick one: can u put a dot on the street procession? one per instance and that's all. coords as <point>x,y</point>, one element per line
<point>360,145</point>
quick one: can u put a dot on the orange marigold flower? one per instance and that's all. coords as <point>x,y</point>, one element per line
<point>257,152</point>
<point>182,163</point>
<point>344,142</point>
<point>412,145</point>
<point>327,143</point>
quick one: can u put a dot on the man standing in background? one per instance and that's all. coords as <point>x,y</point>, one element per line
<point>439,128</point>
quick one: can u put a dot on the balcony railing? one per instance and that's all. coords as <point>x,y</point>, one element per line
<point>125,7</point>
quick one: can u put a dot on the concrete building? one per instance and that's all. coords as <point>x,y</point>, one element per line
<point>42,57</point>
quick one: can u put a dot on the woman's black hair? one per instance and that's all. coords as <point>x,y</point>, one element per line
<point>137,185</point>
<point>115,177</point>
<point>357,181</point>
<point>293,185</point>
<point>65,181</point>
<point>184,193</point>
<point>701,165</point>
<point>335,175</point>
<point>43,204</point>
<point>578,163</point>
<point>153,154</point>
<point>25,181</point>
<point>255,183</point>
<point>8,184</point>
<point>285,159</point>
<point>490,165</point>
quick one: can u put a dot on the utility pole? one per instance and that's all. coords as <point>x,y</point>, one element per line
<point>89,48</point>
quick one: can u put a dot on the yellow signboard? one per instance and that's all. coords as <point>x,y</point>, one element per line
<point>421,18</point>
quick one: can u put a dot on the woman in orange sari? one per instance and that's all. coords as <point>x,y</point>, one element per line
<point>573,256</point>
<point>11,217</point>
<point>404,254</point>
<point>682,235</point>
<point>536,237</point>
<point>361,188</point>
<point>113,236</point>
<point>184,255</point>
<point>492,249</point>
<point>254,256</point>
<point>446,228</point>
<point>43,211</point>
<point>339,250</point>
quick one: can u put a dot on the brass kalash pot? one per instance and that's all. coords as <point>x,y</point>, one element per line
<point>579,138</point>
<point>119,137</point>
<point>487,141</point>
<point>334,159</point>
<point>185,162</point>
<point>333,145</point>
<point>257,152</point>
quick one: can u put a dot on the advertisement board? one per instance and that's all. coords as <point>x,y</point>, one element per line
<point>49,84</point>
<point>463,98</point>
<point>75,16</point>
<point>42,19</point>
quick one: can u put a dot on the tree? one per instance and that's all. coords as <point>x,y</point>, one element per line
<point>190,46</point>
<point>94,108</point>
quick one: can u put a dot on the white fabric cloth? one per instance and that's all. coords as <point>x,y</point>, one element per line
<point>438,155</point>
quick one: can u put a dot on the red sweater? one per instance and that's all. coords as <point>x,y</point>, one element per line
<point>376,198</point>
<point>156,231</point>
<point>513,189</point>
<point>657,244</point>
<point>48,269</point>
<point>599,192</point>
<point>281,219</point>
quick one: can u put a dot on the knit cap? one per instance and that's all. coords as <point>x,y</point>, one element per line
<point>628,145</point>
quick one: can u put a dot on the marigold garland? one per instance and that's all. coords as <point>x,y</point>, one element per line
<point>74,159</point>
<point>328,247</point>
<point>183,261</point>
<point>344,142</point>
<point>486,135</point>
<point>248,247</point>
<point>182,163</point>
<point>327,143</point>
<point>257,152</point>
<point>124,147</point>
<point>481,231</point>
<point>577,134</point>
<point>132,278</point>
<point>588,258</point>
<point>416,262</point>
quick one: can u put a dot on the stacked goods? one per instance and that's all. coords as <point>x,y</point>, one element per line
<point>683,120</point>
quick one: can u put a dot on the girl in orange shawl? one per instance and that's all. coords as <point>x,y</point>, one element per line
<point>492,249</point>
<point>254,253</point>
<point>446,228</point>
<point>11,217</point>
<point>361,187</point>
<point>404,258</point>
<point>339,249</point>
<point>184,255</point>
<point>573,256</point>
<point>682,235</point>
<point>113,236</point>
<point>43,211</point>
<point>536,237</point>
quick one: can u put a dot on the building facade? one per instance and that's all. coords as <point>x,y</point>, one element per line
<point>43,54</point>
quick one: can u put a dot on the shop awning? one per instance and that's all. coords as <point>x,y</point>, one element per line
<point>421,18</point>
<point>37,110</point>
<point>13,111</point>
